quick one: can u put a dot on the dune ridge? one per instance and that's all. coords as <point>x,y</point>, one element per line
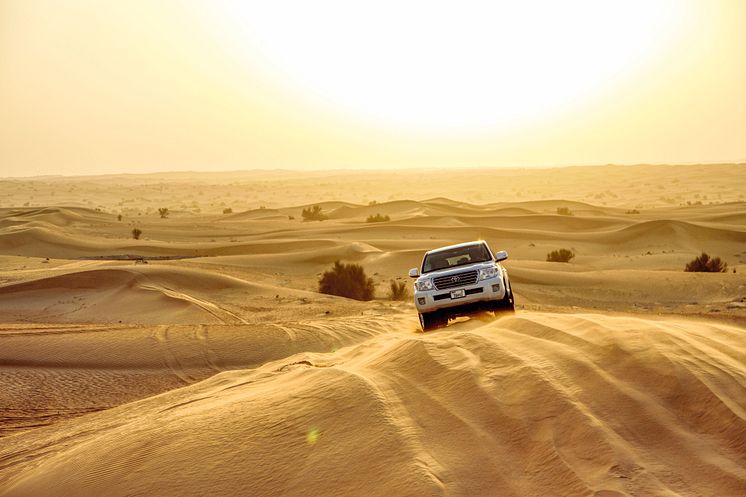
<point>537,404</point>
<point>139,294</point>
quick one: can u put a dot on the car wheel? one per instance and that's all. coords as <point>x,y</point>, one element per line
<point>432,320</point>
<point>507,303</point>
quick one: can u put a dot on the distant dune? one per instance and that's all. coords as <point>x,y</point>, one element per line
<point>279,251</point>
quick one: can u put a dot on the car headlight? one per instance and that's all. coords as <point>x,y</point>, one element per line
<point>422,285</point>
<point>487,273</point>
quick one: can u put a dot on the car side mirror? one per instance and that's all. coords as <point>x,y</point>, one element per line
<point>501,256</point>
<point>414,273</point>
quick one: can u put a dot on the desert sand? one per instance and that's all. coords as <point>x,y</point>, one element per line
<point>200,359</point>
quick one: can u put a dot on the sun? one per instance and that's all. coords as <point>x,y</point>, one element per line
<point>424,66</point>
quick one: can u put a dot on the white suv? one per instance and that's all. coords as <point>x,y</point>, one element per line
<point>459,280</point>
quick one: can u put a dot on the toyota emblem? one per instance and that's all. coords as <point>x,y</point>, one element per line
<point>455,279</point>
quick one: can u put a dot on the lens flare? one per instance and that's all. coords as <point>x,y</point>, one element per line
<point>313,436</point>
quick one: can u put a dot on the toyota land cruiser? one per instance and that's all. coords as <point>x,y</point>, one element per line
<point>460,280</point>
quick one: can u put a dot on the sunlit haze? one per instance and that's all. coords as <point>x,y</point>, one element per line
<point>422,66</point>
<point>103,87</point>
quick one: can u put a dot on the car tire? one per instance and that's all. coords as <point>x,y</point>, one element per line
<point>507,303</point>
<point>432,320</point>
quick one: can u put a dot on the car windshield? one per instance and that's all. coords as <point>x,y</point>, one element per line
<point>444,259</point>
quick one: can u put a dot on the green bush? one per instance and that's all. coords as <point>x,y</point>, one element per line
<point>398,290</point>
<point>561,255</point>
<point>347,280</point>
<point>313,214</point>
<point>378,218</point>
<point>705,264</point>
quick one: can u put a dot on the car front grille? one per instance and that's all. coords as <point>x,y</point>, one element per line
<point>454,280</point>
<point>470,291</point>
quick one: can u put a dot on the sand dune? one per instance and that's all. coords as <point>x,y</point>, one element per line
<point>45,242</point>
<point>148,295</point>
<point>402,208</point>
<point>538,404</point>
<point>53,371</point>
<point>57,216</point>
<point>217,369</point>
<point>547,222</point>
<point>626,288</point>
<point>37,241</point>
<point>105,295</point>
<point>552,205</point>
<point>263,214</point>
<point>677,234</point>
<point>738,219</point>
<point>282,252</point>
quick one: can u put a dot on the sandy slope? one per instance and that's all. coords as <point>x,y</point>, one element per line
<point>538,404</point>
<point>50,372</point>
<point>148,294</point>
<point>216,368</point>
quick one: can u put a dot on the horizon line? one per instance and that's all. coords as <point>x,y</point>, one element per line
<point>741,162</point>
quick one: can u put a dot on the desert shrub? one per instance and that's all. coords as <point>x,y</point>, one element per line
<point>564,211</point>
<point>378,218</point>
<point>290,218</point>
<point>347,280</point>
<point>704,264</point>
<point>228,210</point>
<point>398,290</point>
<point>136,232</point>
<point>632,211</point>
<point>561,255</point>
<point>313,214</point>
<point>163,212</point>
<point>119,217</point>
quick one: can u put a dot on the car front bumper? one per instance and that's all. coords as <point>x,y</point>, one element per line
<point>483,291</point>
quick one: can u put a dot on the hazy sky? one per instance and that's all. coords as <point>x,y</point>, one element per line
<point>133,86</point>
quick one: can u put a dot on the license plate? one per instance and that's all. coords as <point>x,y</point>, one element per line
<point>457,294</point>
